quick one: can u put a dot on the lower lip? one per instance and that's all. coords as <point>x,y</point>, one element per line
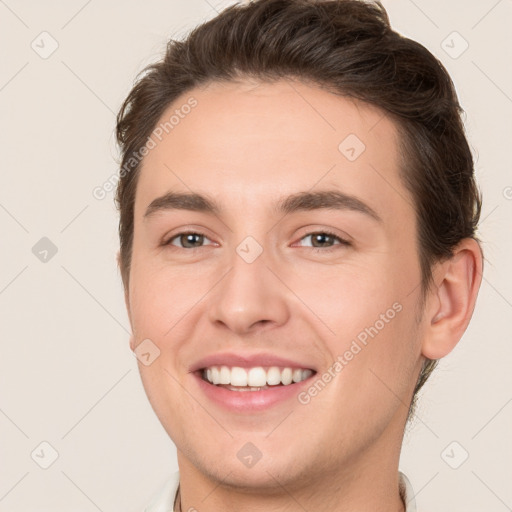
<point>250,401</point>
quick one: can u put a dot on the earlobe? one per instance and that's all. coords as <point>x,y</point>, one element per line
<point>452,299</point>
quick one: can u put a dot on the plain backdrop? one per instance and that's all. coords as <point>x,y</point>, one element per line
<point>67,376</point>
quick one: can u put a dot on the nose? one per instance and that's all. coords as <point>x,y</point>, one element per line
<point>249,297</point>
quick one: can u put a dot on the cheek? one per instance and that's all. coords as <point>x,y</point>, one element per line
<point>370,316</point>
<point>349,298</point>
<point>161,296</point>
<point>375,342</point>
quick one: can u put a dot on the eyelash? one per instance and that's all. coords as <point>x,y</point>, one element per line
<point>342,241</point>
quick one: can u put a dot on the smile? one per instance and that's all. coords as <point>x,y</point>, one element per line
<point>254,379</point>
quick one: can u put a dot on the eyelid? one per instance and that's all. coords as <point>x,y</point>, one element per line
<point>167,240</point>
<point>322,228</point>
<point>342,241</point>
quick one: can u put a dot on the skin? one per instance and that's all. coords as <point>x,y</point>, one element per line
<point>247,145</point>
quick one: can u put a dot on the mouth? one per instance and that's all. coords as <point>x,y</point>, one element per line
<point>243,382</point>
<point>250,390</point>
<point>257,378</point>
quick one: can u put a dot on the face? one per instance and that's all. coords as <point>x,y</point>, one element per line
<point>273,237</point>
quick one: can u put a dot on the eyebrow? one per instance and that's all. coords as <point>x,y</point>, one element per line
<point>300,201</point>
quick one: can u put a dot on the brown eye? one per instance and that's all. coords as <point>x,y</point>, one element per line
<point>322,239</point>
<point>325,239</point>
<point>188,240</point>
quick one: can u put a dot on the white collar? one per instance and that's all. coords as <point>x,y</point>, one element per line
<point>407,493</point>
<point>163,500</point>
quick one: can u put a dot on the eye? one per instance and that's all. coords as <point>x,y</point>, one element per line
<point>187,240</point>
<point>324,241</point>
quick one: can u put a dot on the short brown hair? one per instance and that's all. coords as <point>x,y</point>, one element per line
<point>348,48</point>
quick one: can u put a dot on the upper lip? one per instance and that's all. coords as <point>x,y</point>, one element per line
<point>246,361</point>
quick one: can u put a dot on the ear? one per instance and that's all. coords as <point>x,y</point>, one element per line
<point>452,299</point>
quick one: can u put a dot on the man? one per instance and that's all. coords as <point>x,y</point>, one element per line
<point>298,215</point>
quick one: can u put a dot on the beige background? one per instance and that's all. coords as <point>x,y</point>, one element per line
<point>67,375</point>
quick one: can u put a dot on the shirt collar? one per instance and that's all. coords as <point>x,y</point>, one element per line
<point>406,493</point>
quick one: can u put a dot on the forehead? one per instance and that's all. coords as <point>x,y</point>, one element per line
<point>249,143</point>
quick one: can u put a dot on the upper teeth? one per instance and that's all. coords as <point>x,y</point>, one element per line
<point>254,377</point>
